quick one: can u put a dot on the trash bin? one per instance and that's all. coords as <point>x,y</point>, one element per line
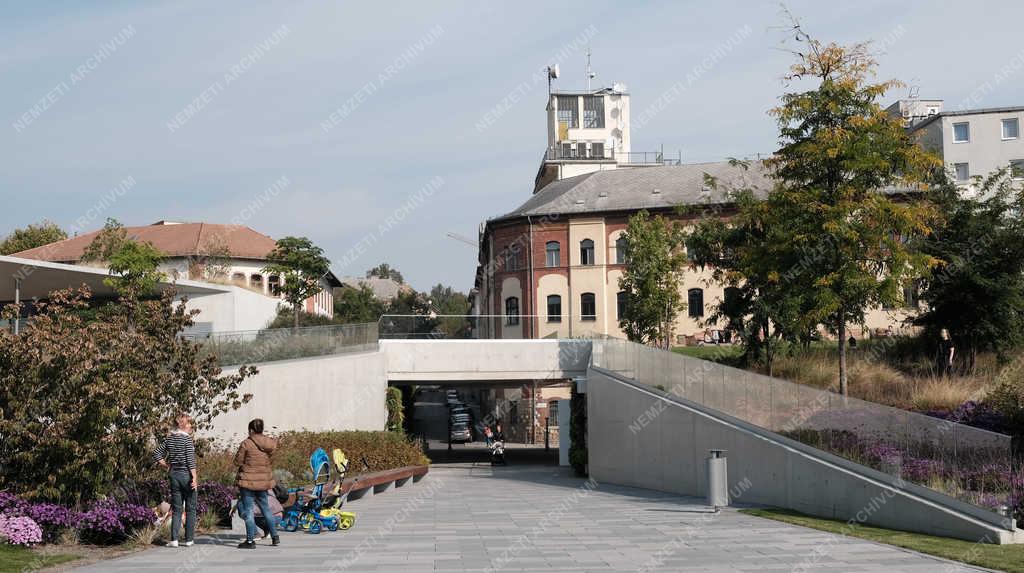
<point>718,479</point>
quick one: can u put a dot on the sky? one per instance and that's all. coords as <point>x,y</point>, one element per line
<point>377,128</point>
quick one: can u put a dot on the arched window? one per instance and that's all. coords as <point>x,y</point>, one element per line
<point>586,252</point>
<point>588,306</point>
<point>621,250</point>
<point>256,281</point>
<point>620,304</point>
<point>274,282</point>
<point>554,308</point>
<point>553,251</point>
<point>238,278</point>
<point>512,311</point>
<point>695,302</point>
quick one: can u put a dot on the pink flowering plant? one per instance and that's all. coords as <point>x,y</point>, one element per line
<point>20,530</point>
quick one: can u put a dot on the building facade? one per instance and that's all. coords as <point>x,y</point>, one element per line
<point>972,143</point>
<point>228,255</point>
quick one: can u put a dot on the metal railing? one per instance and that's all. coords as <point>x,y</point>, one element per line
<point>974,465</point>
<point>648,158</point>
<point>268,345</point>
<point>574,153</point>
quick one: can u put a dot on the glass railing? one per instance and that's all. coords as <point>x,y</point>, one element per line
<point>974,465</point>
<point>488,326</point>
<point>254,346</point>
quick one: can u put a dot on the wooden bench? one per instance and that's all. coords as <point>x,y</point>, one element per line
<point>358,486</point>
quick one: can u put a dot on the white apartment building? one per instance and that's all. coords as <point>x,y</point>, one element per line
<point>972,143</point>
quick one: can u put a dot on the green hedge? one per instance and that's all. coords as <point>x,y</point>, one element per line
<point>382,450</point>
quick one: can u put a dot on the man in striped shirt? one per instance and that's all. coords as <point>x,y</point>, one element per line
<point>177,454</point>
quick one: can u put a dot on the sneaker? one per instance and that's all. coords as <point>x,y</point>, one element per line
<point>247,545</point>
<point>172,543</point>
<point>275,541</point>
<point>189,543</point>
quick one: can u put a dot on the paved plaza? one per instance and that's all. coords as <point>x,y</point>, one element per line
<point>470,517</point>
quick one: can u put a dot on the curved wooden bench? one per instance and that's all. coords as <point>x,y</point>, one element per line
<point>358,486</point>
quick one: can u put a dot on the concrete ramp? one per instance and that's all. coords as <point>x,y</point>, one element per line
<point>642,437</point>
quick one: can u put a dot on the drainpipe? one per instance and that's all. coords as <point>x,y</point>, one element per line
<point>17,301</point>
<point>533,297</point>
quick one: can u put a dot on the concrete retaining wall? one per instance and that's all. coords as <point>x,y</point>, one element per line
<point>339,392</point>
<point>641,437</point>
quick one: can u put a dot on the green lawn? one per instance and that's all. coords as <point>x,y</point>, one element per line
<point>1001,557</point>
<point>15,558</point>
<point>725,353</point>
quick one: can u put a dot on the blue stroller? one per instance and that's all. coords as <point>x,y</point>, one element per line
<point>306,513</point>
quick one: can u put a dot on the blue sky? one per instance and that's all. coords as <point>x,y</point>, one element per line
<point>263,78</point>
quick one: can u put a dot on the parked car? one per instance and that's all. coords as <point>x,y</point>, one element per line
<point>460,432</point>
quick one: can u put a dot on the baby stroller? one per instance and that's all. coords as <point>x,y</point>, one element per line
<point>498,453</point>
<point>306,513</point>
<point>332,502</point>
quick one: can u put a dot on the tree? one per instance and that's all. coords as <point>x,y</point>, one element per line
<point>35,235</point>
<point>977,291</point>
<point>651,279</point>
<point>213,261</point>
<point>301,265</point>
<point>357,304</point>
<point>743,254</point>
<point>840,149</point>
<point>81,400</point>
<point>453,306</point>
<point>133,264</point>
<point>384,271</point>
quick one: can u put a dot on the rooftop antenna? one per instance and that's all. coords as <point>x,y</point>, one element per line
<point>590,73</point>
<point>552,75</point>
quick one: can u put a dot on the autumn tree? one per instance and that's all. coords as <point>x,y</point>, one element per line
<point>32,236</point>
<point>301,265</point>
<point>82,398</point>
<point>133,264</point>
<point>651,279</point>
<point>841,161</point>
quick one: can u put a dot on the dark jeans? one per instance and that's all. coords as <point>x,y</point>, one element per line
<point>182,494</point>
<point>245,509</point>
<point>261,522</point>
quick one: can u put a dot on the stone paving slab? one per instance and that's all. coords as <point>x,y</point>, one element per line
<point>536,518</point>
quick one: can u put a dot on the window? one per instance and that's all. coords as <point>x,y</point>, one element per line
<point>620,304</point>
<point>512,258</point>
<point>1011,128</point>
<point>511,311</point>
<point>1017,169</point>
<point>568,111</point>
<point>963,172</point>
<point>553,254</point>
<point>961,132</point>
<point>581,150</point>
<point>597,150</point>
<point>554,308</point>
<point>695,302</point>
<point>238,278</point>
<point>621,250</point>
<point>593,112</point>
<point>256,282</point>
<point>586,252</point>
<point>274,282</point>
<point>588,306</point>
<point>910,296</point>
<point>566,151</point>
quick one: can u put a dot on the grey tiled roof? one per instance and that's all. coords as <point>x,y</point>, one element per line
<point>627,189</point>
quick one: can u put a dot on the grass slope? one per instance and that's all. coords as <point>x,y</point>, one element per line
<point>1008,558</point>
<point>14,558</point>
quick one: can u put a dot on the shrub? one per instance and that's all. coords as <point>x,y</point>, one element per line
<point>381,450</point>
<point>20,530</point>
<point>111,521</point>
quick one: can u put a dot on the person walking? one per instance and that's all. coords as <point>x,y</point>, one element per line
<point>255,477</point>
<point>488,435</point>
<point>177,454</point>
<point>947,350</point>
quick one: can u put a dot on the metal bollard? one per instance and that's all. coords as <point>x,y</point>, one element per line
<point>718,480</point>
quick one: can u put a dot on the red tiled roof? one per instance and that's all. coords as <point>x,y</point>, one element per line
<point>172,239</point>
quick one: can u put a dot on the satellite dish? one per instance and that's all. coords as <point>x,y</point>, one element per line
<point>553,72</point>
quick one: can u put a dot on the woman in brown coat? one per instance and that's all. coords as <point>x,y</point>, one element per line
<point>255,477</point>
